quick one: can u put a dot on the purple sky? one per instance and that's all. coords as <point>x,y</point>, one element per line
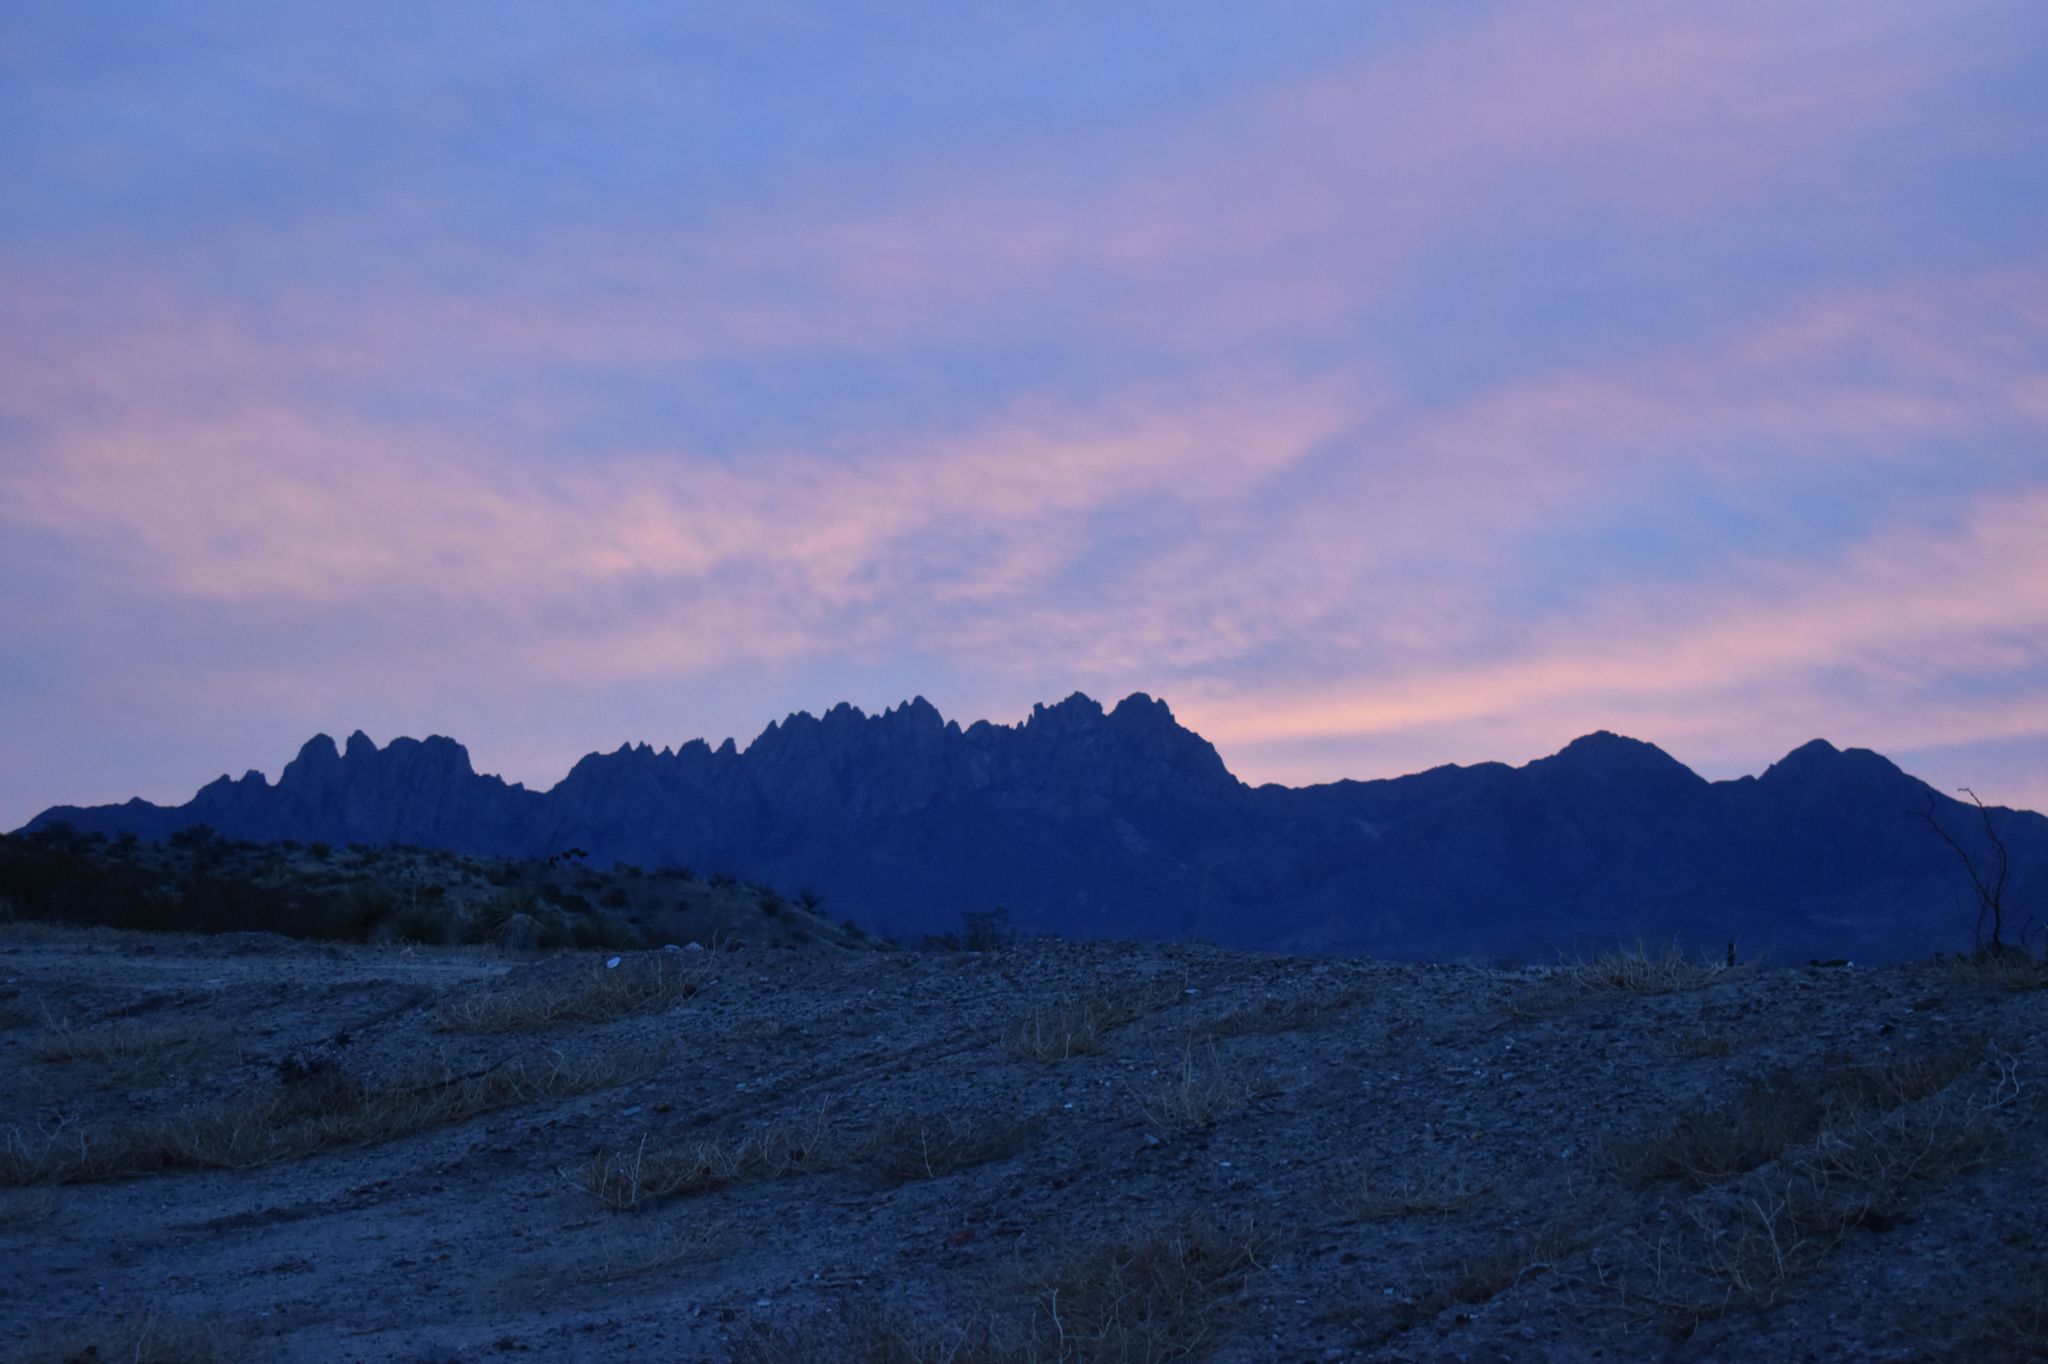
<point>1383,385</point>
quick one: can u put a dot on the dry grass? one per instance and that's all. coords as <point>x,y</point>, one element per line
<point>285,1121</point>
<point>1709,1145</point>
<point>910,1147</point>
<point>1508,1262</point>
<point>125,1044</point>
<point>1196,1095</point>
<point>146,1337</point>
<point>1642,970</point>
<point>1774,1114</point>
<point>1501,1265</point>
<point>2003,971</point>
<point>1078,1027</point>
<point>15,1013</point>
<point>1639,970</point>
<point>626,1179</point>
<point>1281,1014</point>
<point>1779,1225</point>
<point>1165,1294</point>
<point>1751,1240</point>
<point>2012,1329</point>
<point>593,993</point>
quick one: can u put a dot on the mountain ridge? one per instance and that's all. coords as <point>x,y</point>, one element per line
<point>1095,822</point>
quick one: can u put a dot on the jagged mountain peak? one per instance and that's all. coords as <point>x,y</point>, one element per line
<point>1604,755</point>
<point>1817,760</point>
<point>1123,822</point>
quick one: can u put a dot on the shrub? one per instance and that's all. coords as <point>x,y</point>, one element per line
<point>601,932</point>
<point>980,931</point>
<point>420,924</point>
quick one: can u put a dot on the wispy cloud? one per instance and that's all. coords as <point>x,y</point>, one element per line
<point>1481,379</point>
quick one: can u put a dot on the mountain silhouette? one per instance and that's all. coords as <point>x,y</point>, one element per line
<point>1090,823</point>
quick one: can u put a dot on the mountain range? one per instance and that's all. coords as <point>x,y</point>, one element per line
<point>1123,823</point>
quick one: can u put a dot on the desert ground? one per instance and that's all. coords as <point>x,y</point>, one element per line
<point>247,1147</point>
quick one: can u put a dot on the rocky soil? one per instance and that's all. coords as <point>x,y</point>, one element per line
<point>243,1147</point>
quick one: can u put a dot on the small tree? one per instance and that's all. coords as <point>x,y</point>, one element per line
<point>1988,881</point>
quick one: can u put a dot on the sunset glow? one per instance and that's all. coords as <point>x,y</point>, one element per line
<point>1429,386</point>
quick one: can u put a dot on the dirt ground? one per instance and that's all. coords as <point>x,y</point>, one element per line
<point>245,1147</point>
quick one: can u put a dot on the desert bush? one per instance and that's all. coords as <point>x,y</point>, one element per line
<point>1079,1025</point>
<point>601,933</point>
<point>326,1109</point>
<point>591,992</point>
<point>569,901</point>
<point>986,930</point>
<point>422,924</point>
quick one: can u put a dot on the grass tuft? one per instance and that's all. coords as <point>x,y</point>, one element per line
<point>909,1147</point>
<point>626,1178</point>
<point>1643,970</point>
<point>1080,1026</point>
<point>1196,1095</point>
<point>593,993</point>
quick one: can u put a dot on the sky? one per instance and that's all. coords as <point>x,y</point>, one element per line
<point>1382,385</point>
